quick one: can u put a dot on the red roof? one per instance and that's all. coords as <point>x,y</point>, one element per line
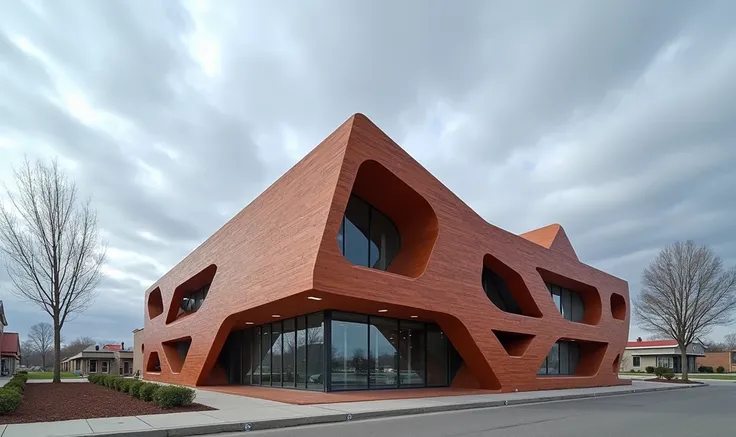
<point>11,344</point>
<point>112,347</point>
<point>652,343</point>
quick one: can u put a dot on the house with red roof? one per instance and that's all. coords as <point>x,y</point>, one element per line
<point>109,359</point>
<point>640,354</point>
<point>9,347</point>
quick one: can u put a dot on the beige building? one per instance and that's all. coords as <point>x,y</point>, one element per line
<point>111,359</point>
<point>641,354</point>
<point>138,352</point>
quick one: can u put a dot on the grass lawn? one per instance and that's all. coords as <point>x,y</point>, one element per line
<point>50,375</point>
<point>721,376</point>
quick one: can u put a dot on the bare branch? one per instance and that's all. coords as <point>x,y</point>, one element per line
<point>51,244</point>
<point>686,292</point>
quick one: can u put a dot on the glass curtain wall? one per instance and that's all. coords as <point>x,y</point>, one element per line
<point>569,303</point>
<point>562,359</point>
<point>363,352</point>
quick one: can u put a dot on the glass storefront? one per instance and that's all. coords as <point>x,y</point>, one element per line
<point>334,351</point>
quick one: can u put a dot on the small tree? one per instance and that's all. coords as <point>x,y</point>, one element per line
<point>686,292</point>
<point>50,241</point>
<point>730,341</point>
<point>41,338</point>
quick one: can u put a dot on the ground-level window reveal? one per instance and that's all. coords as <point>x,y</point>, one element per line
<point>48,402</point>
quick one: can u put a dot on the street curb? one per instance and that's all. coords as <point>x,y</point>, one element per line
<point>347,417</point>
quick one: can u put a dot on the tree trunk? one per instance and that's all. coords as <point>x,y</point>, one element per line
<point>57,350</point>
<point>683,359</point>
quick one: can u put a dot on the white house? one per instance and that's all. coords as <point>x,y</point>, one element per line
<point>640,354</point>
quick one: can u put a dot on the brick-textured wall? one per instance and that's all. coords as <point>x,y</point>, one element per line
<point>716,359</point>
<point>282,248</point>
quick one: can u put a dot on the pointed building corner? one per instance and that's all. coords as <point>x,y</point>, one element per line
<point>552,237</point>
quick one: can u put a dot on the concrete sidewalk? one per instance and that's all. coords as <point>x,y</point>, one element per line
<point>239,413</point>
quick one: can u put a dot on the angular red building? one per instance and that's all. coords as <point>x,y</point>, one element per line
<point>359,270</point>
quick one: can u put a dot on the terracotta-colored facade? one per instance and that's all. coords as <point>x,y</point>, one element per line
<point>282,248</point>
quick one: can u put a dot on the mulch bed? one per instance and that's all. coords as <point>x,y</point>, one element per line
<point>673,381</point>
<point>48,402</point>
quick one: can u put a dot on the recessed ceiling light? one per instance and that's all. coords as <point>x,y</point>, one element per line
<point>414,317</point>
<point>275,316</point>
<point>382,311</point>
<point>314,298</point>
<point>248,323</point>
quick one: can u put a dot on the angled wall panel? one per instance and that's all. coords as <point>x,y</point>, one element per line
<point>282,249</point>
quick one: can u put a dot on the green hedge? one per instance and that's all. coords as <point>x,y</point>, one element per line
<point>171,396</point>
<point>165,396</point>
<point>148,390</point>
<point>134,389</point>
<point>11,394</point>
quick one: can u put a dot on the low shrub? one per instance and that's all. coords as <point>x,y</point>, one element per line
<point>720,369</point>
<point>9,400</point>
<point>94,379</point>
<point>147,390</point>
<point>22,372</point>
<point>119,383</point>
<point>171,396</point>
<point>669,375</point>
<point>20,376</point>
<point>649,369</point>
<point>134,388</point>
<point>15,385</point>
<point>127,385</point>
<point>659,371</point>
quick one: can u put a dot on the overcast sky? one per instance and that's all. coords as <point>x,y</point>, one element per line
<point>616,119</point>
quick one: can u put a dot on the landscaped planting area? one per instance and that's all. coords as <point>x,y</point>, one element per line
<point>50,375</point>
<point>107,396</point>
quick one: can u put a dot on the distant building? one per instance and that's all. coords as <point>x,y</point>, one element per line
<point>726,359</point>
<point>641,354</point>
<point>138,351</point>
<point>9,346</point>
<point>110,359</point>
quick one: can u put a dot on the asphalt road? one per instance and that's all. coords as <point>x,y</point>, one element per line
<point>704,411</point>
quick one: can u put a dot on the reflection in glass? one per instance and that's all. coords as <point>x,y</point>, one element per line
<point>277,341</point>
<point>301,352</point>
<point>356,231</point>
<point>349,358</point>
<point>315,351</point>
<point>411,354</point>
<point>561,360</point>
<point>367,237</point>
<point>553,360</point>
<point>384,340</point>
<point>289,355</point>
<point>437,357</point>
<point>256,356</point>
<point>266,355</point>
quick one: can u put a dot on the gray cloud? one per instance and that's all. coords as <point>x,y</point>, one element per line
<point>615,119</point>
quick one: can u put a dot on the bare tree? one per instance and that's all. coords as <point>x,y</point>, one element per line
<point>686,292</point>
<point>41,337</point>
<point>50,240</point>
<point>76,346</point>
<point>730,340</point>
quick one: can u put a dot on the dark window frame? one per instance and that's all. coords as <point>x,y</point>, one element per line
<point>571,296</point>
<point>371,209</point>
<point>326,386</point>
<point>636,361</point>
